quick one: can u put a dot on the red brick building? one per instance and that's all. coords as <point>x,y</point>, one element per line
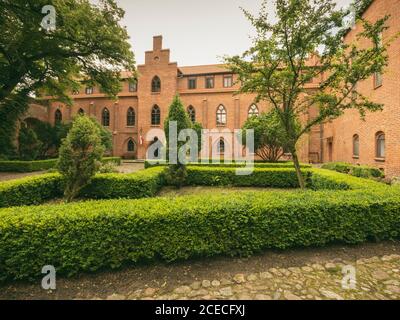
<point>207,92</point>
<point>375,141</point>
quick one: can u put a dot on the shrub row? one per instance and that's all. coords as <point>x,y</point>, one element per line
<point>357,171</point>
<point>260,177</point>
<point>85,237</point>
<point>38,189</point>
<point>40,165</point>
<point>150,164</point>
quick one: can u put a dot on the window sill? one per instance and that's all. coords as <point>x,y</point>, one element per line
<point>131,126</point>
<point>155,93</point>
<point>221,125</point>
<point>356,157</point>
<point>155,125</point>
<point>377,87</point>
<point>380,159</point>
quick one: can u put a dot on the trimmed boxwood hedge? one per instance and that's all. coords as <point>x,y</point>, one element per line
<point>39,189</point>
<point>260,177</point>
<point>357,171</point>
<point>40,165</point>
<point>150,164</point>
<point>85,237</point>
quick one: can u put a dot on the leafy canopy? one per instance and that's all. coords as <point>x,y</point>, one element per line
<point>304,44</point>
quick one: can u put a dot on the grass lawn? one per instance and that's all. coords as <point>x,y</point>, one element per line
<point>186,191</point>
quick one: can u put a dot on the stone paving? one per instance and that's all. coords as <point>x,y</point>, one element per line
<point>376,278</point>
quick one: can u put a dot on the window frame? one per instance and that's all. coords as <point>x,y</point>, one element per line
<point>231,81</point>
<point>128,115</point>
<point>105,117</point>
<point>156,84</point>
<point>128,145</point>
<point>253,114</point>
<point>132,86</point>
<point>356,143</point>
<point>58,116</point>
<point>379,155</point>
<point>207,78</point>
<point>221,114</point>
<point>89,90</point>
<point>191,113</point>
<point>194,79</point>
<point>155,114</point>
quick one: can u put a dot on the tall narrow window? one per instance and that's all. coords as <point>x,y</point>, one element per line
<point>221,115</point>
<point>58,117</point>
<point>131,117</point>
<point>105,117</point>
<point>380,145</point>
<point>81,112</point>
<point>155,116</point>
<point>253,111</point>
<point>156,84</point>
<point>221,146</point>
<point>228,81</point>
<point>356,146</point>
<point>192,113</point>
<point>192,83</point>
<point>131,146</point>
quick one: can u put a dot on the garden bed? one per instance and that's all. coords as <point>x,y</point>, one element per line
<point>91,235</point>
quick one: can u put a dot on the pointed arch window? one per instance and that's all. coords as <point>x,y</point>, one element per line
<point>156,84</point>
<point>58,116</point>
<point>380,145</point>
<point>105,117</point>
<point>131,117</point>
<point>253,111</point>
<point>221,146</point>
<point>192,113</point>
<point>155,116</point>
<point>81,112</point>
<point>131,146</point>
<point>221,115</point>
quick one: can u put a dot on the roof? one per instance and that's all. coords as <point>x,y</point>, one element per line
<point>205,69</point>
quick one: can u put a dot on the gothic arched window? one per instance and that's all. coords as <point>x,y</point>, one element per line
<point>105,117</point>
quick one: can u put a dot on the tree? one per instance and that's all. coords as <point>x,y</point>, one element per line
<point>88,45</point>
<point>270,139</point>
<point>176,172</point>
<point>28,144</point>
<point>80,156</point>
<point>306,43</point>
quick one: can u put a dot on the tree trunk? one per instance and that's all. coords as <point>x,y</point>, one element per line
<point>300,177</point>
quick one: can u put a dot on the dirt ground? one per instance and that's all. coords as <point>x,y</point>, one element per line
<point>169,276</point>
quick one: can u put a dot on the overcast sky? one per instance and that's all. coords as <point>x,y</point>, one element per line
<point>197,31</point>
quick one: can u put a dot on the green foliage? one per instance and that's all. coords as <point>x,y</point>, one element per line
<point>31,190</point>
<point>260,177</point>
<point>41,165</point>
<point>302,43</point>
<point>90,236</point>
<point>358,171</point>
<point>176,172</point>
<point>142,184</point>
<point>29,144</point>
<point>281,164</point>
<point>105,135</point>
<point>39,189</point>
<point>270,138</point>
<point>80,155</point>
<point>88,40</point>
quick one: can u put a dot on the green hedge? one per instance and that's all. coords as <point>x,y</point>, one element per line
<point>40,165</point>
<point>357,171</point>
<point>260,177</point>
<point>39,189</point>
<point>150,164</point>
<point>89,236</point>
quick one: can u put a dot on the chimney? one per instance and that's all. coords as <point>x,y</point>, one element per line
<point>157,43</point>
